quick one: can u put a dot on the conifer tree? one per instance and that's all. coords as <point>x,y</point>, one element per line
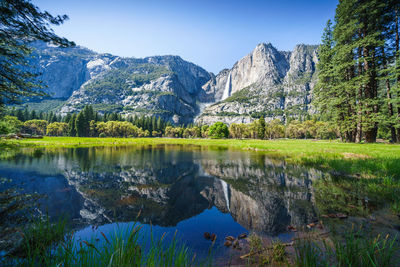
<point>261,128</point>
<point>72,126</point>
<point>67,118</point>
<point>159,125</point>
<point>352,57</point>
<point>22,22</point>
<point>81,125</point>
<point>20,115</point>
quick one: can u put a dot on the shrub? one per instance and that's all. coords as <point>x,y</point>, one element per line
<point>204,131</point>
<point>57,129</point>
<point>275,129</point>
<point>37,127</point>
<point>192,132</point>
<point>118,129</point>
<point>173,131</point>
<point>218,130</point>
<point>239,130</point>
<point>10,124</point>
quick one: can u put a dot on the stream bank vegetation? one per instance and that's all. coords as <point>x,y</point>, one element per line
<point>314,250</point>
<point>46,243</point>
<point>50,244</point>
<point>364,178</point>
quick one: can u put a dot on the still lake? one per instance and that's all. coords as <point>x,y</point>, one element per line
<point>168,188</point>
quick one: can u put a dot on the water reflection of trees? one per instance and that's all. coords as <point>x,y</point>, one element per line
<point>169,185</point>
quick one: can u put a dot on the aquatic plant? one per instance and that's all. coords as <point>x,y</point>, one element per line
<point>309,254</point>
<point>354,250</point>
<point>47,244</point>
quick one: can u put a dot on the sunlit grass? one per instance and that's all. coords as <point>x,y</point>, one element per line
<point>368,160</point>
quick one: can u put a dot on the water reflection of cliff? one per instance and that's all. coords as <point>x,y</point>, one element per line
<point>169,185</point>
<point>266,195</point>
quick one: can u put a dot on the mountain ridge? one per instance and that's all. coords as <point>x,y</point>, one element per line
<point>169,86</point>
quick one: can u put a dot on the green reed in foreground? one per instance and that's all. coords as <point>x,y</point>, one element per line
<point>352,251</point>
<point>46,244</point>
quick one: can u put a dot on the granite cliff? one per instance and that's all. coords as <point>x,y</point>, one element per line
<point>265,82</point>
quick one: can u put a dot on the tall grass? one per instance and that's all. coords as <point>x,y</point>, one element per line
<point>354,250</point>
<point>46,244</point>
<point>310,254</point>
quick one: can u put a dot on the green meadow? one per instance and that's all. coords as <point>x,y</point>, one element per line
<point>366,160</point>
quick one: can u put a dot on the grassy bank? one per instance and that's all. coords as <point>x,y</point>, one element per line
<point>367,160</point>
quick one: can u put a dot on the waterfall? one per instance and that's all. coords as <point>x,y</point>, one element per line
<point>227,91</point>
<point>225,189</point>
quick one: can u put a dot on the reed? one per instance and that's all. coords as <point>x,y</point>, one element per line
<point>47,244</point>
<point>354,250</point>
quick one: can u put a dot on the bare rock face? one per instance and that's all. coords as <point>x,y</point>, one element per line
<point>301,77</point>
<point>265,65</point>
<point>266,82</point>
<point>166,86</point>
<point>61,70</point>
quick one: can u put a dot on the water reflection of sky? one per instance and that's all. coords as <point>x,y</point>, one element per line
<point>190,231</point>
<point>178,189</point>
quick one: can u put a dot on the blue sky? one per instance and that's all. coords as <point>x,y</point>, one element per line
<point>213,34</point>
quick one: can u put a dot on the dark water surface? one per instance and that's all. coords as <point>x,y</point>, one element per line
<point>186,189</point>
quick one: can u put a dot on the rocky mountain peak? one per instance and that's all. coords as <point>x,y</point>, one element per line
<point>265,48</point>
<point>264,82</point>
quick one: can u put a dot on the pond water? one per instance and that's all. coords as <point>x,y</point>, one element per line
<point>187,189</point>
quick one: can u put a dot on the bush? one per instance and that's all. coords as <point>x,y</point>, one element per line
<point>10,124</point>
<point>118,129</point>
<point>173,131</point>
<point>36,127</point>
<point>102,135</point>
<point>311,129</point>
<point>193,132</point>
<point>57,129</point>
<point>275,129</point>
<point>204,131</point>
<point>218,130</point>
<point>239,130</point>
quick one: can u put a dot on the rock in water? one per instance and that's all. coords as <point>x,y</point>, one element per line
<point>207,235</point>
<point>242,236</point>
<point>229,238</point>
<point>227,243</point>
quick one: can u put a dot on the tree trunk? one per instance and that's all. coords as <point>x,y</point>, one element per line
<point>389,98</point>
<point>359,97</point>
<point>374,83</point>
<point>397,58</point>
<point>371,131</point>
<point>390,109</point>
